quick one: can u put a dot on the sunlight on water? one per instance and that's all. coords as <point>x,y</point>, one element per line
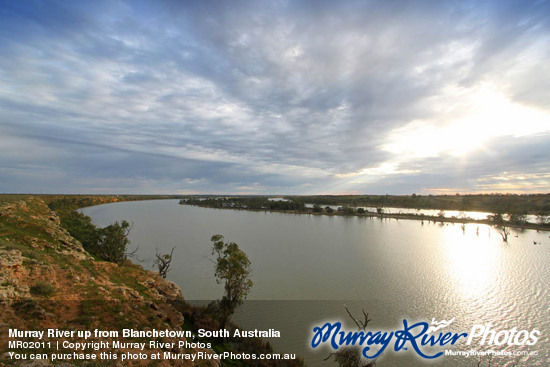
<point>473,262</point>
<point>306,268</point>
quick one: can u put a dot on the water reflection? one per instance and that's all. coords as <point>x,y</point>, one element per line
<point>472,261</point>
<point>393,269</point>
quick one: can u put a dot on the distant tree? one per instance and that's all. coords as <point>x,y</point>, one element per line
<point>317,208</point>
<point>542,218</point>
<point>346,210</point>
<point>360,210</point>
<point>163,262</point>
<point>496,217</point>
<point>380,210</point>
<point>329,210</point>
<point>233,269</point>
<point>518,215</point>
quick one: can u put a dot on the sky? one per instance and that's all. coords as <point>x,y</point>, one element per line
<point>274,97</point>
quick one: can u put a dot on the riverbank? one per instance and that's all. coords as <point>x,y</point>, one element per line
<point>396,216</point>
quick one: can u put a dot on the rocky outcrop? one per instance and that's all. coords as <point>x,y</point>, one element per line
<point>43,227</point>
<point>47,280</point>
<point>11,265</point>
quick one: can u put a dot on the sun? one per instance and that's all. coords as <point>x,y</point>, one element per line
<point>471,118</point>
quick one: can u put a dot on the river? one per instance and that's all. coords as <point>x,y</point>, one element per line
<point>307,268</point>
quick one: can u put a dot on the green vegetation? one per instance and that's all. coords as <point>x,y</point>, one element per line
<point>81,201</point>
<point>516,205</point>
<point>42,288</point>
<point>248,202</point>
<point>346,210</point>
<point>513,210</point>
<point>493,203</point>
<point>81,227</point>
<point>109,243</point>
<point>233,269</point>
<point>113,242</point>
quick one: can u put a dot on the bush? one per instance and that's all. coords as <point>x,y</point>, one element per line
<point>113,241</point>
<point>81,227</point>
<point>42,288</point>
<point>109,243</point>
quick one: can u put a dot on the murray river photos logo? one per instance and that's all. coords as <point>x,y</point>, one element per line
<point>418,337</point>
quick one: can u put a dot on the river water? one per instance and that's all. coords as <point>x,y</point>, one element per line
<point>307,268</point>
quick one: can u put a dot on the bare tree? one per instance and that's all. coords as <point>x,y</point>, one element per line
<point>163,262</point>
<point>504,233</point>
<point>351,357</point>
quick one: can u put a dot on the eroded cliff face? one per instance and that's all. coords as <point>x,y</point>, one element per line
<point>47,280</point>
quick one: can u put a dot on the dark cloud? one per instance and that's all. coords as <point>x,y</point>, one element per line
<point>289,97</point>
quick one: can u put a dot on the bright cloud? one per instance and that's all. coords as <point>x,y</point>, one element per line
<point>274,97</point>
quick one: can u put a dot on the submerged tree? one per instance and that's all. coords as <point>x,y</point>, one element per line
<point>504,233</point>
<point>233,269</point>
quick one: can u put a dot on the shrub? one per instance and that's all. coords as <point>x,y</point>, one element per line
<point>113,242</point>
<point>42,288</point>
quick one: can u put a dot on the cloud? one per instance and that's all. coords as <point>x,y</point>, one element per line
<point>268,97</point>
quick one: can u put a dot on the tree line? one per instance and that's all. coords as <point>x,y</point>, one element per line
<point>493,203</point>
<point>254,202</point>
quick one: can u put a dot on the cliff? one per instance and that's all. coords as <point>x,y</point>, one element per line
<point>47,280</point>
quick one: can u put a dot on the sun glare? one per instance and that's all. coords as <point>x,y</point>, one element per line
<point>471,119</point>
<point>472,260</point>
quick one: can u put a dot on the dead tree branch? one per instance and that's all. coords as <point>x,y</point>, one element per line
<point>163,262</point>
